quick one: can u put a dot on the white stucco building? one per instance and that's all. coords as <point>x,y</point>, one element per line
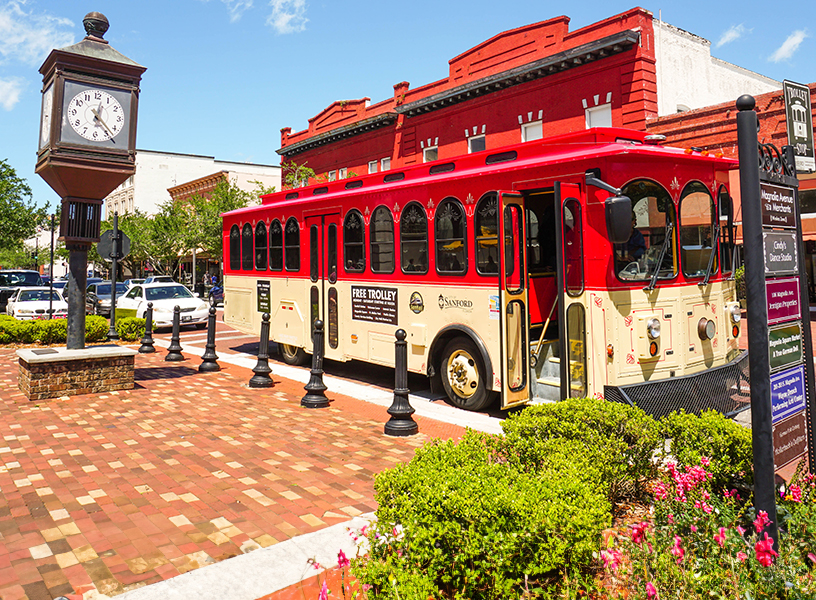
<point>156,172</point>
<point>688,77</point>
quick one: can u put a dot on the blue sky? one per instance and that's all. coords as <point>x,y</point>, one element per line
<point>224,76</point>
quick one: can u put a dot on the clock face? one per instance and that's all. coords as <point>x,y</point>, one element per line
<point>95,115</point>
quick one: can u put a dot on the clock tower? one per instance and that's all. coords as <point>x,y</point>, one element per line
<point>87,144</point>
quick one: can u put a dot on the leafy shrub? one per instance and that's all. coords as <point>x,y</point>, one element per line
<point>462,517</point>
<point>96,329</point>
<point>726,443</point>
<point>739,277</point>
<point>621,439</point>
<point>130,328</point>
<point>54,331</point>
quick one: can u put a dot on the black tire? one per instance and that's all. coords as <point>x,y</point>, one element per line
<point>200,325</point>
<point>463,375</point>
<point>292,355</point>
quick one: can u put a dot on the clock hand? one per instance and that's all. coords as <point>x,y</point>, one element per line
<point>98,118</point>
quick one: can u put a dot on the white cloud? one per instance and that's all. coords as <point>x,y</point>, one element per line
<point>236,8</point>
<point>28,37</point>
<point>10,90</point>
<point>288,16</point>
<point>789,46</point>
<point>733,33</point>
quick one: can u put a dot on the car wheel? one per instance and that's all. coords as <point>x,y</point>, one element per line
<point>463,375</point>
<point>292,355</point>
<point>201,325</point>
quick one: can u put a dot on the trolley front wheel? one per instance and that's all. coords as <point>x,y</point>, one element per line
<point>464,377</point>
<point>292,355</point>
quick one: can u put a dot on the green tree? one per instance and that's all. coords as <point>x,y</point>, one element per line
<point>206,212</point>
<point>18,215</point>
<point>295,175</point>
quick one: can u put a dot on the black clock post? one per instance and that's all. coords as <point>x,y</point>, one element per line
<point>87,144</point>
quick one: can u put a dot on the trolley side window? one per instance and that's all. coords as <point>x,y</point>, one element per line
<point>726,208</point>
<point>354,242</point>
<point>381,237</point>
<point>246,248</point>
<point>275,246</point>
<point>235,248</point>
<point>697,215</point>
<point>260,246</point>
<point>292,242</point>
<point>414,239</point>
<point>451,236</point>
<point>487,235</point>
<point>648,249</point>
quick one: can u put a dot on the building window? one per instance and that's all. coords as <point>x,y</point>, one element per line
<point>599,116</point>
<point>275,246</point>
<point>385,164</point>
<point>487,235</point>
<point>476,143</point>
<point>332,175</point>
<point>235,248</point>
<point>246,248</point>
<point>342,173</point>
<point>292,241</point>
<point>532,131</point>
<point>372,167</point>
<point>451,237</point>
<point>430,154</point>
<point>260,246</point>
<point>414,239</point>
<point>354,242</point>
<point>382,241</point>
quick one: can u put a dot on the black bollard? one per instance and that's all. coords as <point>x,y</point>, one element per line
<point>174,349</point>
<point>208,364</point>
<point>401,424</point>
<point>316,396</point>
<point>147,340</point>
<point>261,379</point>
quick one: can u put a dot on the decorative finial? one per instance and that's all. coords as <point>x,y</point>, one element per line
<point>746,102</point>
<point>96,24</point>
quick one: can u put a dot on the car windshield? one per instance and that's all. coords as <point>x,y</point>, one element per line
<point>37,296</point>
<point>19,279</point>
<point>59,284</point>
<point>105,289</point>
<point>167,292</point>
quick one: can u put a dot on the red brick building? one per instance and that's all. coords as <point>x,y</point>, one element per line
<point>550,81</point>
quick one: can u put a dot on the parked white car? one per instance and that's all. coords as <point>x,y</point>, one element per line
<point>164,296</point>
<point>32,303</point>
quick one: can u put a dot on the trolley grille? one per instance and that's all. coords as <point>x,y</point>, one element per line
<point>725,389</point>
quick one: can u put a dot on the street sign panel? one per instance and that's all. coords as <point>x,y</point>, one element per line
<point>787,393</point>
<point>783,300</point>
<point>781,256</point>
<point>785,345</point>
<point>799,123</point>
<point>264,295</point>
<point>789,439</point>
<point>105,245</point>
<point>778,208</point>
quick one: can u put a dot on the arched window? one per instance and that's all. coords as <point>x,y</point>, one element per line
<point>292,241</point>
<point>275,246</point>
<point>381,234</point>
<point>235,248</point>
<point>652,214</point>
<point>246,247</point>
<point>451,237</point>
<point>354,242</point>
<point>727,248</point>
<point>487,235</point>
<point>414,239</point>
<point>697,239</point>
<point>260,246</point>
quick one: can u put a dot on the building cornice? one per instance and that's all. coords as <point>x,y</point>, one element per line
<point>356,128</point>
<point>568,59</point>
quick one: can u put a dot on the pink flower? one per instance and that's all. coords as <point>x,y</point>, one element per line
<point>705,461</point>
<point>740,530</point>
<point>741,556</point>
<point>366,587</point>
<point>671,519</point>
<point>651,591</point>
<point>720,537</point>
<point>812,557</point>
<point>611,559</point>
<point>794,493</point>
<point>324,591</point>
<point>694,527</point>
<point>765,552</point>
<point>677,549</point>
<point>660,491</point>
<point>761,521</point>
<point>342,561</point>
<point>638,531</point>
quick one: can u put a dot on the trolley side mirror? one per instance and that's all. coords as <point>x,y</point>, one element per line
<point>618,218</point>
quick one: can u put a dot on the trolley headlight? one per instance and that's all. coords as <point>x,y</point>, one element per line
<point>706,329</point>
<point>653,328</point>
<point>736,313</point>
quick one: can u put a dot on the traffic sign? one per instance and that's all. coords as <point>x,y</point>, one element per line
<point>105,245</point>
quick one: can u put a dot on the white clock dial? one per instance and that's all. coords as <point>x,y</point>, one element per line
<point>95,115</point>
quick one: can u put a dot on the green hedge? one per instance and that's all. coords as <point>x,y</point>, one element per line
<point>13,331</point>
<point>130,328</point>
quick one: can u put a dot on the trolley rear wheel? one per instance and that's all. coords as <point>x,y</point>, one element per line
<point>292,355</point>
<point>463,375</point>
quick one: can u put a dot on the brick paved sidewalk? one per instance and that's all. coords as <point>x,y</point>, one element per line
<point>128,488</point>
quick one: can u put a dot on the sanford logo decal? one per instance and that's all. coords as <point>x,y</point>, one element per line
<point>416,303</point>
<point>448,302</point>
